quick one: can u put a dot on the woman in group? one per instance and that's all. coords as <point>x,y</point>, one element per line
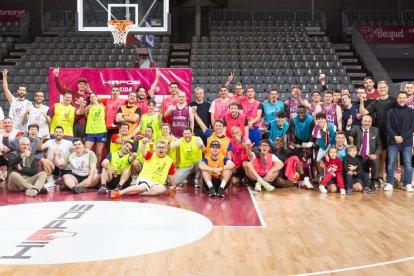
<point>95,125</point>
<point>82,162</point>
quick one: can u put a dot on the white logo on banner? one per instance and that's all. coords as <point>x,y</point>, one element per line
<point>83,231</point>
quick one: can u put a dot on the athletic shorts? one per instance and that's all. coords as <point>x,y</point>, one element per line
<point>239,172</point>
<point>96,138</point>
<point>80,178</point>
<point>115,181</point>
<point>148,183</point>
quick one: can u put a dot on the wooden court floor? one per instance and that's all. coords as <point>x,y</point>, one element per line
<point>305,232</point>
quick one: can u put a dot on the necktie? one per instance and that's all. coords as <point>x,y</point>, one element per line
<point>364,144</point>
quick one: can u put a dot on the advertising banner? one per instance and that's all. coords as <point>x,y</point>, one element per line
<point>387,34</point>
<point>11,14</point>
<point>101,80</point>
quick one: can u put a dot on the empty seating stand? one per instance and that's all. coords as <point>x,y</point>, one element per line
<point>265,55</point>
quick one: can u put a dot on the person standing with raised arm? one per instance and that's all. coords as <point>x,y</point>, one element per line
<point>17,105</point>
<point>80,99</point>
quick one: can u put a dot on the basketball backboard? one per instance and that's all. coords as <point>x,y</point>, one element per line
<point>148,16</point>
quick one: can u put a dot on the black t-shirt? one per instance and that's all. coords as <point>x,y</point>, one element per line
<point>378,109</point>
<point>203,113</point>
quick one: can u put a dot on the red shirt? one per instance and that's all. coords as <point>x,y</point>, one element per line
<point>373,96</point>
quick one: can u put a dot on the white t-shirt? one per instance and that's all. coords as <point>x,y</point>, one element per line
<point>64,149</point>
<point>80,164</point>
<point>17,108</point>
<point>36,116</point>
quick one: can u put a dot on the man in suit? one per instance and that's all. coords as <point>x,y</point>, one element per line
<point>369,150</point>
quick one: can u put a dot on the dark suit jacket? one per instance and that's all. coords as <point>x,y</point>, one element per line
<point>375,145</point>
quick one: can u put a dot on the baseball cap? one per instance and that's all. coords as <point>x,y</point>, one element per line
<point>215,144</point>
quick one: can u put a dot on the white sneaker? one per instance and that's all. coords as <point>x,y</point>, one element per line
<point>388,187</point>
<point>50,182</point>
<point>323,189</point>
<point>409,188</point>
<point>306,184</point>
<point>342,192</point>
<point>267,186</point>
<point>258,187</point>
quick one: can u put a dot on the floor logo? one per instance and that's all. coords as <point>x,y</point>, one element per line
<point>65,232</point>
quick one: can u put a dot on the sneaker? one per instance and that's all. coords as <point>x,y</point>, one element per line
<point>114,194</point>
<point>323,189</point>
<point>306,184</point>
<point>196,184</point>
<point>267,186</point>
<point>378,183</point>
<point>3,176</point>
<point>78,189</point>
<point>408,188</point>
<point>118,188</point>
<point>258,187</point>
<point>368,190</point>
<point>220,192</point>
<point>211,192</point>
<point>103,190</point>
<point>342,192</point>
<point>388,187</point>
<point>31,192</point>
<point>50,183</point>
<point>397,184</point>
<point>349,191</point>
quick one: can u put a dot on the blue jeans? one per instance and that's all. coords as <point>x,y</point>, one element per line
<point>392,160</point>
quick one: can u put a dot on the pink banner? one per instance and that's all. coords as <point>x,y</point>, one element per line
<point>128,79</point>
<point>387,34</point>
<point>11,14</point>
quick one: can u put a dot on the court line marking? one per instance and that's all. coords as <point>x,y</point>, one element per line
<point>356,267</point>
<point>256,206</point>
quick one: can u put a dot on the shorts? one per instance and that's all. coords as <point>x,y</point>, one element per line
<point>148,183</point>
<point>239,172</point>
<point>115,181</point>
<point>79,131</point>
<point>96,138</point>
<point>80,178</point>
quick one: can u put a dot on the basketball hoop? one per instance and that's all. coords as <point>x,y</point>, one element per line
<point>120,29</point>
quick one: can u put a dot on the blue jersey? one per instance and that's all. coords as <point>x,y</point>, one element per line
<point>303,129</point>
<point>275,131</point>
<point>270,110</point>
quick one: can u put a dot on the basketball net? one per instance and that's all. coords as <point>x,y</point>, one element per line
<point>120,30</point>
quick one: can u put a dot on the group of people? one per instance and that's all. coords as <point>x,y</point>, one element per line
<point>150,147</point>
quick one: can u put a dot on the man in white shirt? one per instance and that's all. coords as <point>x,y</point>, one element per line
<point>38,113</point>
<point>57,149</point>
<point>17,105</point>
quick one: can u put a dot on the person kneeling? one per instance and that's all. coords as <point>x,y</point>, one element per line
<point>215,168</point>
<point>155,171</point>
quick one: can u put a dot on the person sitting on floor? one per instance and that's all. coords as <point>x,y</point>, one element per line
<point>157,168</point>
<point>23,171</point>
<point>263,168</point>
<point>83,165</point>
<point>216,170</point>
